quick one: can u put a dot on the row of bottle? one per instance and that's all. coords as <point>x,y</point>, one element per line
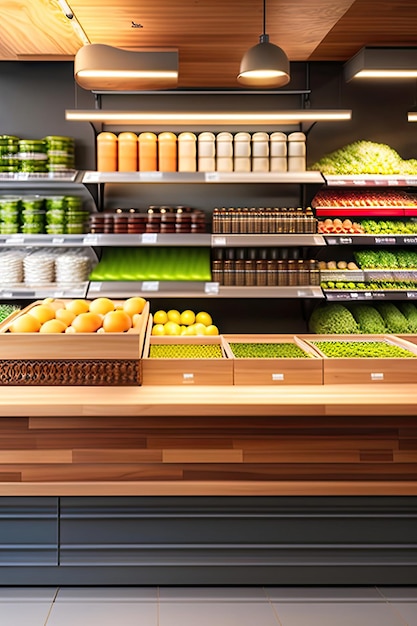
<point>256,221</point>
<point>206,152</point>
<point>260,267</point>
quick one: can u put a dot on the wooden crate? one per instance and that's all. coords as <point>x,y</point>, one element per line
<point>367,370</point>
<point>186,371</point>
<point>280,371</point>
<point>73,358</point>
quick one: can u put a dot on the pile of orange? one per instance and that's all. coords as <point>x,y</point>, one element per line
<point>173,322</point>
<point>101,315</point>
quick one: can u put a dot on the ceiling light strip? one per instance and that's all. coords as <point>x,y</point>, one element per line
<point>291,117</point>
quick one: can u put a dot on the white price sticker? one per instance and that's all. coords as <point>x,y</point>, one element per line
<point>150,285</point>
<point>377,376</point>
<point>57,240</point>
<point>95,286</point>
<point>149,238</point>
<point>211,288</point>
<point>212,177</point>
<point>90,240</point>
<point>277,376</point>
<point>91,177</point>
<point>150,176</point>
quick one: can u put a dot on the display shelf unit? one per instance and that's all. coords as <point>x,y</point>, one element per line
<point>202,177</point>
<point>34,292</point>
<point>370,240</point>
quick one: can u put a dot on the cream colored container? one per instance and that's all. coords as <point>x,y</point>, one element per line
<point>278,164</point>
<point>206,164</point>
<point>296,152</point>
<point>224,144</point>
<point>148,152</point>
<point>242,145</point>
<point>224,164</point>
<point>127,152</point>
<point>206,145</point>
<point>278,145</point>
<point>260,164</point>
<point>242,164</point>
<point>187,152</point>
<point>106,152</point>
<point>260,144</point>
<point>167,152</point>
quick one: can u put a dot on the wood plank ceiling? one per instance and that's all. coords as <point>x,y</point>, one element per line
<point>211,35</point>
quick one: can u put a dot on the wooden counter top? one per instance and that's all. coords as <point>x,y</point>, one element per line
<point>170,401</point>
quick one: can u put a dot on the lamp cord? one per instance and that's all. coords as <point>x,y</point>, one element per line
<point>264,19</point>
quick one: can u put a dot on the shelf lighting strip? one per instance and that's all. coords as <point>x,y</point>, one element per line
<point>290,117</point>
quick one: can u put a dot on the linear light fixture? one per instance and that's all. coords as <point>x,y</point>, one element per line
<point>382,63</point>
<point>105,68</point>
<point>207,118</point>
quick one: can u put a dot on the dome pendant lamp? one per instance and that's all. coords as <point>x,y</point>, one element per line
<point>264,65</point>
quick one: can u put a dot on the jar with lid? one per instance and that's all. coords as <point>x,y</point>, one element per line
<point>296,152</point>
<point>224,152</point>
<point>148,152</point>
<point>33,156</point>
<point>127,152</point>
<point>242,152</point>
<point>106,152</point>
<point>260,152</point>
<point>167,152</point>
<point>278,152</point>
<point>206,152</point>
<point>9,148</point>
<point>187,152</point>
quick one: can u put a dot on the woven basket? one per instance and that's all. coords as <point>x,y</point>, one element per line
<point>70,372</point>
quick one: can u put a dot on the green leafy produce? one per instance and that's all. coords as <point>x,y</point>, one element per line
<point>268,351</point>
<point>185,351</point>
<point>369,319</point>
<point>409,310</point>
<point>395,321</point>
<point>365,157</point>
<point>389,227</point>
<point>6,310</point>
<point>362,349</point>
<point>333,318</point>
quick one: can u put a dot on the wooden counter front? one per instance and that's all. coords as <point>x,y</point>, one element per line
<point>293,440</point>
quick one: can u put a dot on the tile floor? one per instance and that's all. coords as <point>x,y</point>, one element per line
<point>208,606</point>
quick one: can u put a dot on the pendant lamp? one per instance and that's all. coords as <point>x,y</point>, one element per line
<point>264,65</point>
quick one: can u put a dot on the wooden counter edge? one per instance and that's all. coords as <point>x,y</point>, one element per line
<point>211,488</point>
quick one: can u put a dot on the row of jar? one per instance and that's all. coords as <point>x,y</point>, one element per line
<point>205,152</point>
<point>51,154</point>
<point>41,266</point>
<point>38,214</point>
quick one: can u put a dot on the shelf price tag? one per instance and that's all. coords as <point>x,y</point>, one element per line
<point>345,240</point>
<point>6,294</point>
<point>386,240</point>
<point>410,240</point>
<point>393,182</point>
<point>354,294</point>
<point>211,288</point>
<point>219,241</point>
<point>412,295</point>
<point>150,285</point>
<point>90,240</point>
<point>15,240</point>
<point>91,177</point>
<point>150,176</point>
<point>58,240</point>
<point>212,177</point>
<point>149,238</point>
<point>95,286</point>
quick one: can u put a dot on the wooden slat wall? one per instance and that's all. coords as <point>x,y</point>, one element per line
<point>229,450</point>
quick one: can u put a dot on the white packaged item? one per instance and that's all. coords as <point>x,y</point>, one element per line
<point>278,145</point>
<point>74,266</point>
<point>39,267</point>
<point>260,164</point>
<point>11,263</point>
<point>224,144</point>
<point>260,144</point>
<point>242,147</point>
<point>242,164</point>
<point>187,152</point>
<point>206,145</point>
<point>278,164</point>
<point>224,164</point>
<point>296,152</point>
<point>206,164</point>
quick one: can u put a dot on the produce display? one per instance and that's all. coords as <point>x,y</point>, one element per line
<point>363,198</point>
<point>365,157</point>
<point>337,226</point>
<point>362,350</point>
<point>153,264</point>
<point>187,322</point>
<point>6,310</point>
<point>338,265</point>
<point>279,350</point>
<point>101,315</point>
<point>185,351</point>
<point>175,219</point>
<point>364,318</point>
<point>386,259</point>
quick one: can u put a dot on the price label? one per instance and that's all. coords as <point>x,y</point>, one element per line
<point>410,240</point>
<point>412,295</point>
<point>95,286</point>
<point>393,182</point>
<point>150,176</point>
<point>219,241</point>
<point>411,181</point>
<point>15,240</point>
<point>331,241</point>
<point>377,376</point>
<point>150,285</point>
<point>277,376</point>
<point>386,240</point>
<point>354,294</point>
<point>211,288</point>
<point>212,177</point>
<point>90,240</point>
<point>368,294</point>
<point>91,177</point>
<point>6,294</point>
<point>346,240</point>
<point>149,238</point>
<point>57,240</point>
